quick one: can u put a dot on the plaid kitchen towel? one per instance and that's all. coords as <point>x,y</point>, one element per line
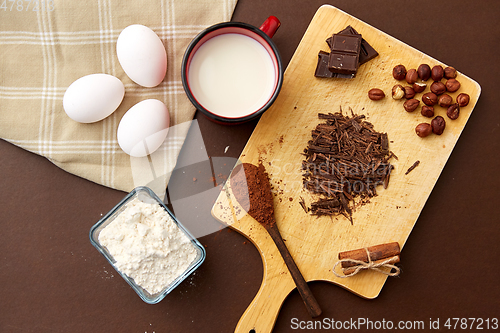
<point>45,45</point>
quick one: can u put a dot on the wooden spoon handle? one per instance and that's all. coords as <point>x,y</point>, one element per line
<point>304,291</point>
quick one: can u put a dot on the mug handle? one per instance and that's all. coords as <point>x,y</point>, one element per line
<point>270,26</point>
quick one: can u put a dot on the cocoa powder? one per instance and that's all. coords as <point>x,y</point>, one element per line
<point>252,189</point>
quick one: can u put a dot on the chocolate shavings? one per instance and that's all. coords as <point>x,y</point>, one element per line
<point>345,160</point>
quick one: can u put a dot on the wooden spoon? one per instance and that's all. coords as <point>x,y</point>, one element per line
<point>251,188</point>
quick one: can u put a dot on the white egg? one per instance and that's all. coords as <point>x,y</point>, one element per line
<point>142,55</point>
<point>143,128</point>
<point>93,97</point>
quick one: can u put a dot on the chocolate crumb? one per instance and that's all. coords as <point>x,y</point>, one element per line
<point>303,205</point>
<point>414,165</point>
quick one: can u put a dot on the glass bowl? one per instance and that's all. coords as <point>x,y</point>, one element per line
<point>145,194</point>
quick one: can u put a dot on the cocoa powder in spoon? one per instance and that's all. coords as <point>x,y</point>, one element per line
<point>252,189</point>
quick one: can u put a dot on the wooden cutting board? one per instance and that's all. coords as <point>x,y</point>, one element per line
<point>281,136</point>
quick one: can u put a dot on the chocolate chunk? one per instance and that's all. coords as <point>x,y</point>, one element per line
<point>344,57</point>
<point>367,51</point>
<point>322,70</point>
<point>322,66</point>
<point>343,63</point>
<point>346,43</point>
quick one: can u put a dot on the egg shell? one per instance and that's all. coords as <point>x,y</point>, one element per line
<point>142,55</point>
<point>93,97</point>
<point>143,128</point>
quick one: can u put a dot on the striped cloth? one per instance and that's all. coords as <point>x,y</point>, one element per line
<point>47,45</point>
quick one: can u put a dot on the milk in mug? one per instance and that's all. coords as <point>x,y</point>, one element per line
<point>232,75</point>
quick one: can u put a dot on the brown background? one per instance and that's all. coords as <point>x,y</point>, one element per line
<point>53,280</point>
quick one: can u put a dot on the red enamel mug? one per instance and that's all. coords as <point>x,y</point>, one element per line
<point>232,71</point>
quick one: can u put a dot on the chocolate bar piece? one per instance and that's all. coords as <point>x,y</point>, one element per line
<point>367,51</point>
<point>344,57</point>
<point>322,67</point>
<point>343,63</point>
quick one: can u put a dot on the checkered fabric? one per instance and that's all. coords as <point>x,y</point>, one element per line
<point>45,45</point>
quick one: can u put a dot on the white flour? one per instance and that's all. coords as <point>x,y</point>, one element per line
<point>147,245</point>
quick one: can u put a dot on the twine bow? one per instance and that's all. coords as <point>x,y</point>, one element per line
<point>361,265</point>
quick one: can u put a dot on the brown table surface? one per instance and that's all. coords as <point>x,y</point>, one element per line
<point>53,280</point>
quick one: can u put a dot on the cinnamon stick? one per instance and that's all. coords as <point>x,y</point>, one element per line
<point>377,252</point>
<point>393,260</point>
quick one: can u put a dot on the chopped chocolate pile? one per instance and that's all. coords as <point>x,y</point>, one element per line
<point>346,159</point>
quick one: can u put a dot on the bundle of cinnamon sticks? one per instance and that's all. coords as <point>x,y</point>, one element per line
<point>388,253</point>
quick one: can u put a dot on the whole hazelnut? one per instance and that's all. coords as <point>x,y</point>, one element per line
<point>376,94</point>
<point>445,100</point>
<point>437,73</point>
<point>411,76</point>
<point>409,92</point>
<point>398,91</point>
<point>411,104</point>
<point>438,87</point>
<point>399,72</point>
<point>429,99</point>
<point>423,129</point>
<point>438,124</point>
<point>452,85</point>
<point>450,73</point>
<point>453,111</point>
<point>424,72</point>
<point>419,87</point>
<point>463,99</point>
<point>427,111</point>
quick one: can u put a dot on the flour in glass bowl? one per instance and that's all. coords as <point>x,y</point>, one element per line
<point>147,245</point>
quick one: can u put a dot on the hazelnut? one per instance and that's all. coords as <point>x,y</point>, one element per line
<point>423,129</point>
<point>463,99</point>
<point>411,76</point>
<point>445,100</point>
<point>429,99</point>
<point>453,111</point>
<point>438,124</point>
<point>411,104</point>
<point>398,91</point>
<point>427,111</point>
<point>409,92</point>
<point>452,85</point>
<point>438,87</point>
<point>376,94</point>
<point>399,72</point>
<point>424,72</point>
<point>419,87</point>
<point>450,73</point>
<point>437,73</point>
